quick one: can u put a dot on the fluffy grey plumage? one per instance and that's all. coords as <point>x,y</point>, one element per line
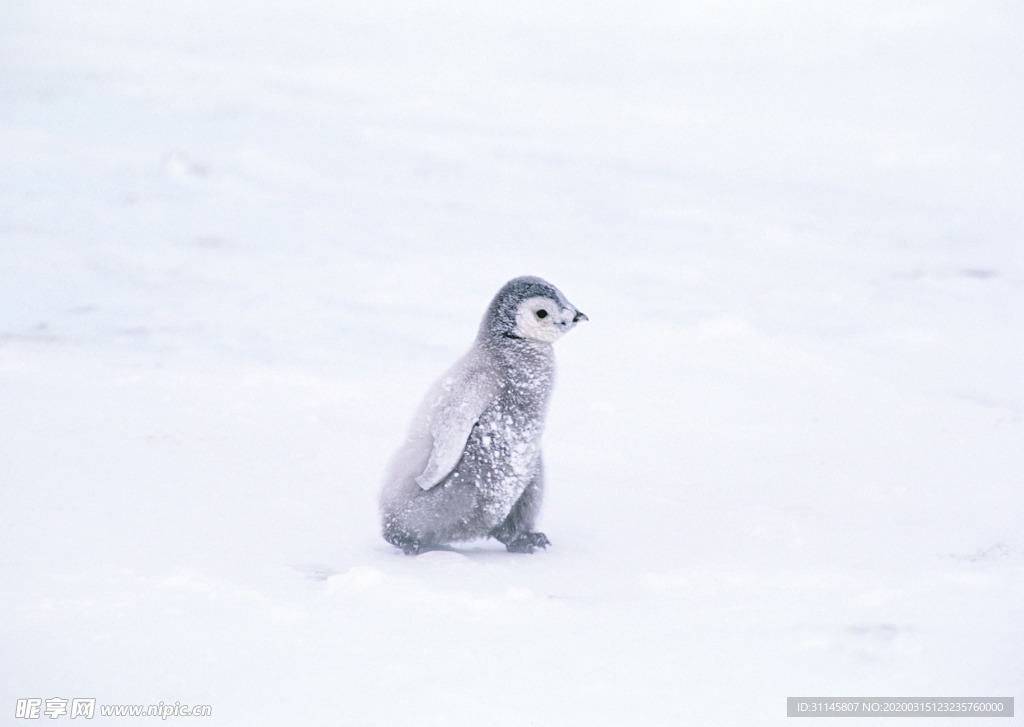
<point>471,465</point>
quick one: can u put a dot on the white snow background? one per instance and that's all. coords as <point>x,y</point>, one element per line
<point>785,456</point>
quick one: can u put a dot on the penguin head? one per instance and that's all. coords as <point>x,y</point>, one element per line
<point>531,309</point>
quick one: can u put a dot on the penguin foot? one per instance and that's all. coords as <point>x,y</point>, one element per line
<point>527,542</point>
<point>411,547</point>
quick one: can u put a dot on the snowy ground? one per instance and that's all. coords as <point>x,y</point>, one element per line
<point>239,240</point>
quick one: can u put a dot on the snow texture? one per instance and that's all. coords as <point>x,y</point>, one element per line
<point>785,457</point>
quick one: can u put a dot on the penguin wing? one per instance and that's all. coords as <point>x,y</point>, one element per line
<point>456,412</point>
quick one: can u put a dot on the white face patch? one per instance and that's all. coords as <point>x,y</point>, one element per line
<point>542,319</point>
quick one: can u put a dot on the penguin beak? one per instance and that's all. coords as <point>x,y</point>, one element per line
<point>580,316</point>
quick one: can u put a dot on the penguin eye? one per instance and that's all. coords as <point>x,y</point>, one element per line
<point>542,313</point>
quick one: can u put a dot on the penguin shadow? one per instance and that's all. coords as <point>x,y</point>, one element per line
<point>479,552</point>
<point>482,549</point>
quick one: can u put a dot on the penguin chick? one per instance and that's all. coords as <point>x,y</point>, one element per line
<point>471,465</point>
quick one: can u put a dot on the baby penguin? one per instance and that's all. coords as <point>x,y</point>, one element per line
<point>471,465</point>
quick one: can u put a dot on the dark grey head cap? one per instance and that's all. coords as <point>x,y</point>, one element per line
<point>500,319</point>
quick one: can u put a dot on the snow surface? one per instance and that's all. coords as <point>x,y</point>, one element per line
<point>784,457</point>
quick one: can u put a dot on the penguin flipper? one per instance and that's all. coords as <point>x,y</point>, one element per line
<point>451,424</point>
